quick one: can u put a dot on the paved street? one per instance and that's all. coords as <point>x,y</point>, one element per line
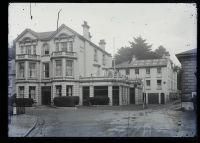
<point>131,121</point>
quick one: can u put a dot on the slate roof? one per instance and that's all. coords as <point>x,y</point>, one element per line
<point>143,63</point>
<point>48,35</point>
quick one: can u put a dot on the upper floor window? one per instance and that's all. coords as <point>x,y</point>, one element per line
<point>32,69</point>
<point>70,47</point>
<point>46,70</point>
<point>95,55</point>
<point>28,49</point>
<point>34,50</point>
<point>147,70</point>
<point>69,68</point>
<point>21,91</point>
<point>58,68</point>
<point>127,71</point>
<point>58,90</point>
<point>104,59</point>
<point>148,83</point>
<point>21,70</point>
<point>64,46</point>
<point>159,82</point>
<point>45,49</point>
<point>57,47</point>
<point>159,71</point>
<point>22,49</point>
<point>137,71</point>
<point>32,92</point>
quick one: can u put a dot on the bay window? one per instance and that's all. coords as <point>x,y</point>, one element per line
<point>32,92</point>
<point>58,68</point>
<point>69,68</point>
<point>45,70</point>
<point>32,69</point>
<point>21,70</point>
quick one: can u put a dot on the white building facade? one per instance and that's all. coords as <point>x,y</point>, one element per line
<point>64,63</point>
<point>158,76</point>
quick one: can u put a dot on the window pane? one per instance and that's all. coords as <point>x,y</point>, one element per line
<point>57,47</point>
<point>64,46</point>
<point>69,68</point>
<point>32,69</point>
<point>21,70</point>
<point>58,90</point>
<point>58,67</point>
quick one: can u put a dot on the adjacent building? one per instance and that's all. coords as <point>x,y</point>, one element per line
<point>188,60</point>
<point>11,77</point>
<point>158,75</point>
<point>65,63</point>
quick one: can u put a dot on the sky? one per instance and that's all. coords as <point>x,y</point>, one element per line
<point>172,25</point>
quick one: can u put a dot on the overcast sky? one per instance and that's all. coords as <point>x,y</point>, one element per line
<point>172,25</point>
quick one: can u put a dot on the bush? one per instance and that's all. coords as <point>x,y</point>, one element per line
<point>66,101</point>
<point>98,100</point>
<point>23,102</point>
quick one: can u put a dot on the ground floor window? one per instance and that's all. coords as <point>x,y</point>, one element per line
<point>58,90</point>
<point>32,92</point>
<point>21,91</point>
<point>69,90</point>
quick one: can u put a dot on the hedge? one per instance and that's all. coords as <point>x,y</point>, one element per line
<point>11,100</point>
<point>98,100</point>
<point>23,102</point>
<point>66,101</point>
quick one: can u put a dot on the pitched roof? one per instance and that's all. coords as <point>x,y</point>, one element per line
<point>48,35</point>
<point>143,63</point>
<point>189,52</point>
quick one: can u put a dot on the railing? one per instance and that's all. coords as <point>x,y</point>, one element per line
<point>27,56</point>
<point>64,53</point>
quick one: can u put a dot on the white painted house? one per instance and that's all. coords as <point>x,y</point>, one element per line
<point>65,63</point>
<point>158,75</point>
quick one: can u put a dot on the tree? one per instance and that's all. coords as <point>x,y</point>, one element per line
<point>138,47</point>
<point>162,51</point>
<point>123,54</point>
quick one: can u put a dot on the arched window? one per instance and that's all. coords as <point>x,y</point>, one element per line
<point>45,48</point>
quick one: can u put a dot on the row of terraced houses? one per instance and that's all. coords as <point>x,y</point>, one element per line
<point>66,63</point>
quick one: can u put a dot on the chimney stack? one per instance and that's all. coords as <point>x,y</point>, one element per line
<point>102,44</point>
<point>86,32</point>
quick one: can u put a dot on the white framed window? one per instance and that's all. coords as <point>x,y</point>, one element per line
<point>45,70</point>
<point>147,70</point>
<point>21,70</point>
<point>34,50</point>
<point>58,90</point>
<point>22,49</point>
<point>58,68</point>
<point>64,46</point>
<point>32,69</point>
<point>32,92</point>
<point>159,71</point>
<point>45,49</point>
<point>28,49</point>
<point>69,90</point>
<point>57,47</point>
<point>21,91</point>
<point>70,46</point>
<point>137,71</point>
<point>69,68</point>
<point>148,83</point>
<point>95,55</point>
<point>159,84</point>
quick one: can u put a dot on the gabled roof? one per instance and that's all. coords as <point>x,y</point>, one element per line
<point>143,63</point>
<point>50,34</point>
<point>187,53</point>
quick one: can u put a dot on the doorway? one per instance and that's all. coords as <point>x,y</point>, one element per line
<point>46,95</point>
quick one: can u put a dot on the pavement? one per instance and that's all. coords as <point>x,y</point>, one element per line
<point>21,125</point>
<point>110,121</point>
